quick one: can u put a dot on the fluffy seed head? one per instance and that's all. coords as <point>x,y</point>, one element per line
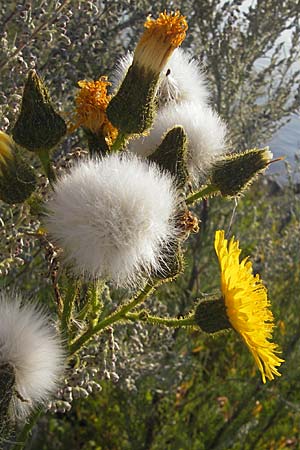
<point>159,40</point>
<point>113,216</point>
<point>181,80</point>
<point>30,345</point>
<point>205,130</point>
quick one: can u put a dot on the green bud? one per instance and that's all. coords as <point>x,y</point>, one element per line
<point>38,127</point>
<point>237,171</point>
<point>172,155</point>
<point>211,316</point>
<point>133,108</point>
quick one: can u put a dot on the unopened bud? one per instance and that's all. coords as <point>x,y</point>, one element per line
<point>172,155</point>
<point>38,127</point>
<point>236,172</point>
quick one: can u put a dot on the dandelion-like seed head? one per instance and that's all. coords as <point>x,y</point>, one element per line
<point>6,147</point>
<point>247,305</point>
<point>159,40</point>
<point>206,134</point>
<point>91,103</point>
<point>32,348</point>
<point>182,79</point>
<point>113,217</point>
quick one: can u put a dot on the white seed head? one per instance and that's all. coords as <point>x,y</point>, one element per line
<point>181,80</point>
<point>31,346</point>
<point>205,130</point>
<point>113,216</point>
<point>120,70</point>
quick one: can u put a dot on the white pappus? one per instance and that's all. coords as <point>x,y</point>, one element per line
<point>181,80</point>
<point>31,346</point>
<point>205,130</point>
<point>112,217</point>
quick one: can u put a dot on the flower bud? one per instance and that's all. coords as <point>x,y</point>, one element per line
<point>172,155</point>
<point>17,178</point>
<point>38,127</point>
<point>234,173</point>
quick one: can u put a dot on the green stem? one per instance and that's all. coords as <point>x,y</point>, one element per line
<point>112,318</point>
<point>68,303</point>
<point>154,320</point>
<point>119,142</point>
<point>24,433</point>
<point>94,299</point>
<point>208,191</point>
<point>47,166</point>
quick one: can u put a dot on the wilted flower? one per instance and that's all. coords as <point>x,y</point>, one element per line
<point>30,346</point>
<point>247,305</point>
<point>91,104</point>
<point>159,40</point>
<point>113,216</point>
<point>132,109</point>
<point>206,134</point>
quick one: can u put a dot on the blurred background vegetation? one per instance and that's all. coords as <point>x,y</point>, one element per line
<point>174,391</point>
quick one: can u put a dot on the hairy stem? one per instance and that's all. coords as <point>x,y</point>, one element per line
<point>117,315</point>
<point>208,191</point>
<point>68,302</point>
<point>172,322</point>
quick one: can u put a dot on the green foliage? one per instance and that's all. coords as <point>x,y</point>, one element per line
<point>205,393</point>
<point>220,403</point>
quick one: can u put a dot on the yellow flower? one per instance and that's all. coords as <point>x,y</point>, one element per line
<point>247,305</point>
<point>159,40</point>
<point>6,145</point>
<point>91,103</point>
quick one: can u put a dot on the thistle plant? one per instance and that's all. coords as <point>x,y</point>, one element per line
<point>115,224</point>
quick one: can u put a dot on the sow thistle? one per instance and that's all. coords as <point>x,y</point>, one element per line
<point>121,216</point>
<point>244,306</point>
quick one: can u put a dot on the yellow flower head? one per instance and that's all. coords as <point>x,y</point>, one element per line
<point>159,40</point>
<point>91,103</point>
<point>6,146</point>
<point>247,305</point>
